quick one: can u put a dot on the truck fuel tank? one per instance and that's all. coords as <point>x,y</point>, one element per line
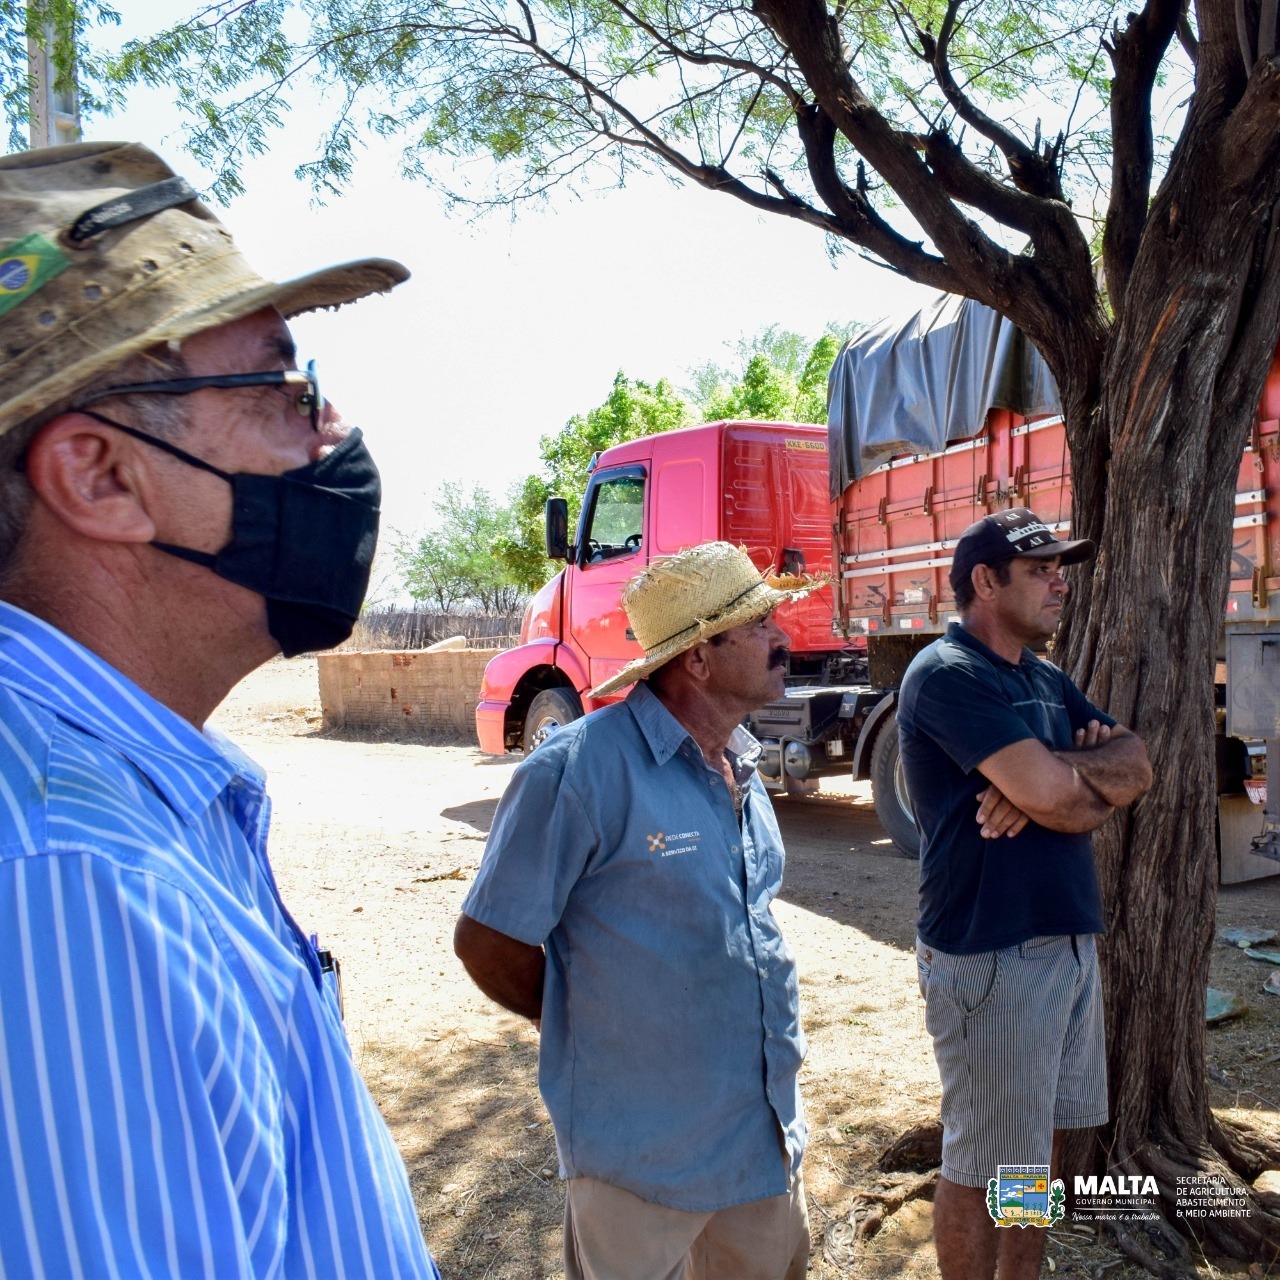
<point>811,729</point>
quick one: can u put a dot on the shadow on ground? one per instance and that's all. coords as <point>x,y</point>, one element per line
<point>842,865</point>
<point>478,1144</point>
<point>467,1118</point>
<point>475,813</point>
<point>410,731</point>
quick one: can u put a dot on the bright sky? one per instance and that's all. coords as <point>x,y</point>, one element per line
<point>508,328</point>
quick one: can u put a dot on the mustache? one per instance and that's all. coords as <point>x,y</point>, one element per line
<point>779,657</point>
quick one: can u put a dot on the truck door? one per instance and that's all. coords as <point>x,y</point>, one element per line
<point>610,550</point>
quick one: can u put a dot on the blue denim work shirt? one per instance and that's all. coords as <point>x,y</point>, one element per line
<point>671,1040</point>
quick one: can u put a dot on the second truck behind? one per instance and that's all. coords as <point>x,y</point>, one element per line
<point>884,538</point>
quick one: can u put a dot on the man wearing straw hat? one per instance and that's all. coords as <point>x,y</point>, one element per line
<point>624,902</point>
<point>177,505</point>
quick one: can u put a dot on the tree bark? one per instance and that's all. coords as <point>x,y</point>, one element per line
<point>1154,469</point>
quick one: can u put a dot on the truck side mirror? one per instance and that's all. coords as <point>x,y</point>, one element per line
<point>557,529</point>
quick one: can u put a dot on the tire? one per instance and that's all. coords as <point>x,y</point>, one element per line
<point>552,709</point>
<point>889,792</point>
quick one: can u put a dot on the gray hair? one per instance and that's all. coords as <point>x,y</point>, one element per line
<point>164,416</point>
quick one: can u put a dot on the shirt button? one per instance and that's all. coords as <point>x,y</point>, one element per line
<point>735,849</point>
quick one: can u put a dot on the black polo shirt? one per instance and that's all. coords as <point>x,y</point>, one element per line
<point>959,704</point>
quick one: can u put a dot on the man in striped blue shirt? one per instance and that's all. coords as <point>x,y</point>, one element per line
<point>177,504</point>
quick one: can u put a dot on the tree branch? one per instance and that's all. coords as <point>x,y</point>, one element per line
<point>714,177</point>
<point>728,151</point>
<point>1136,54</point>
<point>964,181</point>
<point>1267,29</point>
<point>1035,173</point>
<point>855,216</point>
<point>977,265</point>
<point>1187,37</point>
<point>805,28</point>
<point>709,60</point>
<point>1242,34</point>
<point>1249,140</point>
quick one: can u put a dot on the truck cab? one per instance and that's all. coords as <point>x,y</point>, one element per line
<point>761,485</point>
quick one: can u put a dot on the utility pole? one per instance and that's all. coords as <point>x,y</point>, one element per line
<point>55,114</point>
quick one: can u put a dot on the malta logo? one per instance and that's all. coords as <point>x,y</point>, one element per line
<point>657,843</point>
<point>1021,1195</point>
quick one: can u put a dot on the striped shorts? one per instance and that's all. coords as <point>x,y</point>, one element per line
<point>1018,1038</point>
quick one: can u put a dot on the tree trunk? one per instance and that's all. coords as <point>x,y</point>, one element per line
<point>1154,467</point>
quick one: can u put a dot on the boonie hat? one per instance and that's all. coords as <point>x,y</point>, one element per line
<point>1011,535</point>
<point>104,252</point>
<point>689,597</point>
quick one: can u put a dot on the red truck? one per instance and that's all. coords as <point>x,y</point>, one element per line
<point>762,485</point>
<point>886,540</point>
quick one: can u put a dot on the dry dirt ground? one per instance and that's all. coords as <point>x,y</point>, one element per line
<point>374,843</point>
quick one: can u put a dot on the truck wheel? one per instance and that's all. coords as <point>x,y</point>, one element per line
<point>889,792</point>
<point>552,709</point>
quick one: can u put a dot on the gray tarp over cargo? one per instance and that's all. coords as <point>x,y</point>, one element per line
<point>912,388</point>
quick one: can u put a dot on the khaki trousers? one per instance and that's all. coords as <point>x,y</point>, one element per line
<point>611,1234</point>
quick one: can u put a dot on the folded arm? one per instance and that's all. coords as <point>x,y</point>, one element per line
<point>1073,791</point>
<point>1117,768</point>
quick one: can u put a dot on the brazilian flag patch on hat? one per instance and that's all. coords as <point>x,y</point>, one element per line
<point>25,266</point>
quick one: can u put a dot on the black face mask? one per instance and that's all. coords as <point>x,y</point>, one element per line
<point>303,540</point>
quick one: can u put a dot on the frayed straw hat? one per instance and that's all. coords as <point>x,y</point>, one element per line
<point>694,595</point>
<point>104,252</point>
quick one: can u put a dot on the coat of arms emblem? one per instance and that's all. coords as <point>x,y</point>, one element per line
<point>1021,1195</point>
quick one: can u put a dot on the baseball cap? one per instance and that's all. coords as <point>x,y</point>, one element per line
<point>105,251</point>
<point>1009,535</point>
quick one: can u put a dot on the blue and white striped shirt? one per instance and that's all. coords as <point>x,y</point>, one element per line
<point>177,1095</point>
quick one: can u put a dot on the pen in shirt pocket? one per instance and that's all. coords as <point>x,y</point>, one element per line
<point>329,963</point>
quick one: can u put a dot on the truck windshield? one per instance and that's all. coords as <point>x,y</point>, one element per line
<point>616,524</point>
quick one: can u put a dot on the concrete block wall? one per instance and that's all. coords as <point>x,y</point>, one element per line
<point>403,692</point>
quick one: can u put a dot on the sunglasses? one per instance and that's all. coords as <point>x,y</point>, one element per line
<point>308,401</point>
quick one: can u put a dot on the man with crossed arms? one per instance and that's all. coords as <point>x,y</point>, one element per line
<point>1009,768</point>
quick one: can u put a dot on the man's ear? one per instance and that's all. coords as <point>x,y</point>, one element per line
<point>984,581</point>
<point>694,661</point>
<point>90,478</point>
